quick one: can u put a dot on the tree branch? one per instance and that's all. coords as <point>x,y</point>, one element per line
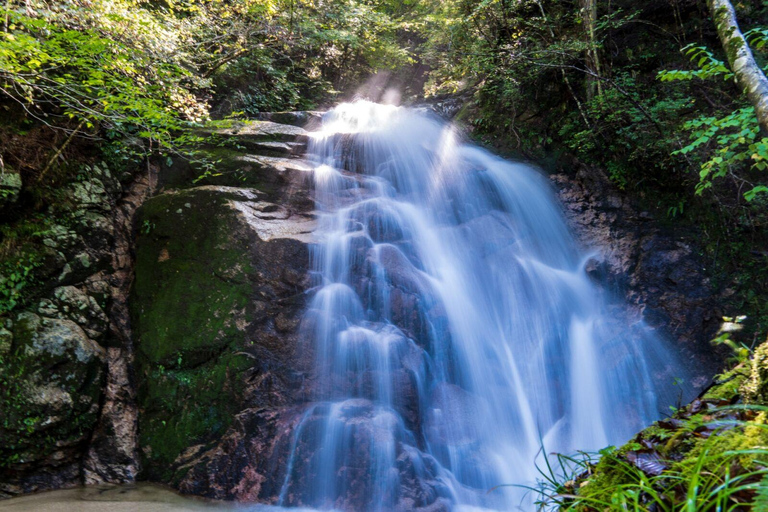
<point>748,74</point>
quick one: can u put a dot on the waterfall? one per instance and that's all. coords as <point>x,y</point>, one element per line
<point>456,334</point>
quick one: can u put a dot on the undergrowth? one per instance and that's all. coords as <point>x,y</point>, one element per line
<point>710,456</point>
<point>714,480</point>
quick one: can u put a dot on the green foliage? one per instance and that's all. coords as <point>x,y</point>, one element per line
<point>726,471</point>
<point>15,276</point>
<point>758,38</point>
<point>761,500</point>
<point>13,404</point>
<point>709,66</point>
<point>725,144</point>
<point>737,142</point>
<point>313,51</point>
<point>20,257</point>
<point>710,456</point>
<point>69,62</point>
<point>740,351</point>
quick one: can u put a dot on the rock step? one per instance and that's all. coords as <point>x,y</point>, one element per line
<point>309,119</point>
<point>258,131</point>
<point>276,148</point>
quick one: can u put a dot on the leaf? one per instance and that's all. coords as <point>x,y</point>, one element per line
<point>647,461</point>
<point>751,194</point>
<point>761,496</point>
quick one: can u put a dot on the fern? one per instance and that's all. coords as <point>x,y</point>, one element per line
<point>709,66</point>
<point>761,498</point>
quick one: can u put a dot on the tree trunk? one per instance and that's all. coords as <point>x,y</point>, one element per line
<point>589,15</point>
<point>748,74</point>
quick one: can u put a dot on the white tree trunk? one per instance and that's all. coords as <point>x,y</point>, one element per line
<point>749,76</point>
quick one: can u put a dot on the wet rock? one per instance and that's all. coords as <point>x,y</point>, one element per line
<point>382,224</point>
<point>251,462</point>
<point>657,271</point>
<point>453,418</point>
<point>309,120</point>
<point>399,271</point>
<point>255,130</point>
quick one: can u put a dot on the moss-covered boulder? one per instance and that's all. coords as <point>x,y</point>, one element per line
<point>52,371</point>
<point>215,306</point>
<point>712,451</point>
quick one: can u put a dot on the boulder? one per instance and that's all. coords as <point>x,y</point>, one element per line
<point>51,376</point>
<point>216,302</point>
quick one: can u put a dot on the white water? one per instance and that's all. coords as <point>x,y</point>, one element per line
<point>456,331</point>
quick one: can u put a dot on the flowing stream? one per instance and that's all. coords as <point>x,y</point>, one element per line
<point>457,335</point>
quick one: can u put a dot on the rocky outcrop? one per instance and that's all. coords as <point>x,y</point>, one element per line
<point>222,266</point>
<point>113,452</point>
<point>50,402</point>
<point>657,270</point>
<point>221,274</point>
<point>63,357</point>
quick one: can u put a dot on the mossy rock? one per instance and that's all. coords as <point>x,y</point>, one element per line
<point>233,167</point>
<point>256,131</point>
<point>205,280</point>
<point>192,278</point>
<point>10,188</point>
<point>703,438</point>
<point>51,380</point>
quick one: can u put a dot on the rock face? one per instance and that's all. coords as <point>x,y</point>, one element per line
<point>51,402</point>
<point>658,272</point>
<point>221,275</point>
<point>57,355</point>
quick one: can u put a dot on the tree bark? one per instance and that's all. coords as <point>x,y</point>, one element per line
<point>748,74</point>
<point>589,16</point>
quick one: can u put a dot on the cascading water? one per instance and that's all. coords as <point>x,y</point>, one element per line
<point>456,331</point>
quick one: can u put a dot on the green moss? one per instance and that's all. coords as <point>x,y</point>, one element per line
<point>32,430</point>
<point>191,299</point>
<point>696,456</point>
<point>723,446</point>
<point>21,255</point>
<point>191,279</point>
<point>609,474</point>
<point>727,384</point>
<point>187,407</point>
<point>655,432</point>
<point>221,166</point>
